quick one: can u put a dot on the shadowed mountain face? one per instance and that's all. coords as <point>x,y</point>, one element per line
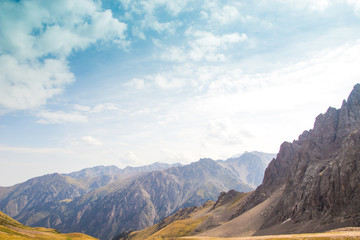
<point>16,201</point>
<point>317,175</point>
<point>151,197</point>
<point>312,185</point>
<point>104,201</point>
<point>320,171</point>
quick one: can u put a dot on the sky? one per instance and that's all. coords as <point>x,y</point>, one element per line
<point>129,83</point>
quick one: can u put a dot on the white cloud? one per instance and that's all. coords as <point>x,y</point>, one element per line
<point>203,45</point>
<point>240,111</point>
<point>100,107</point>
<point>320,5</point>
<point>355,4</point>
<point>104,107</point>
<point>166,80</point>
<point>33,65</point>
<point>136,83</point>
<point>160,27</point>
<point>25,85</point>
<point>49,117</point>
<point>225,15</point>
<point>172,156</point>
<point>165,83</point>
<point>130,159</point>
<point>173,7</point>
<point>144,13</point>
<point>31,29</point>
<point>220,13</point>
<point>91,141</point>
<point>82,108</point>
<point>223,132</point>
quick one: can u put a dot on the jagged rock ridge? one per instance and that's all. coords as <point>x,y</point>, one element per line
<point>319,173</point>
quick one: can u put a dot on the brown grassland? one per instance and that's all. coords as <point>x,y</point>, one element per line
<point>13,230</point>
<point>347,233</point>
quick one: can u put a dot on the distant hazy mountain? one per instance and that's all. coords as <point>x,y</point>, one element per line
<point>104,201</point>
<point>249,167</point>
<point>113,170</point>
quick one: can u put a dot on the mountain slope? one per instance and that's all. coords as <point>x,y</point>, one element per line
<point>151,197</point>
<point>11,229</point>
<point>39,191</point>
<point>30,202</point>
<point>191,220</point>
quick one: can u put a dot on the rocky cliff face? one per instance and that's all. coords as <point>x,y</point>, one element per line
<point>320,172</point>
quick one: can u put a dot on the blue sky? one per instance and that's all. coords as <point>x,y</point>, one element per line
<point>86,83</point>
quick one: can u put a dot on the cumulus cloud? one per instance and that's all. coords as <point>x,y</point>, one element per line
<point>91,141</point>
<point>100,107</point>
<point>35,39</point>
<point>222,14</point>
<point>165,80</point>
<point>222,132</point>
<point>52,117</point>
<point>82,108</point>
<point>130,159</point>
<point>145,14</point>
<point>203,45</point>
<point>136,83</point>
<point>173,7</point>
<point>104,107</point>
<point>25,85</point>
<point>355,4</point>
<point>165,83</point>
<point>320,5</point>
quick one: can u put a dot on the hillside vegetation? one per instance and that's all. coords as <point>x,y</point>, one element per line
<point>13,230</point>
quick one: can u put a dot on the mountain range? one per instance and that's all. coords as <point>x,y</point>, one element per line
<point>105,201</point>
<point>313,185</point>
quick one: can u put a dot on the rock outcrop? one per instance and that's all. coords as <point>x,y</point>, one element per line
<point>320,172</point>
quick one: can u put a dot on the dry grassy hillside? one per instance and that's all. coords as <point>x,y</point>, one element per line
<point>344,234</point>
<point>13,230</point>
<point>192,220</point>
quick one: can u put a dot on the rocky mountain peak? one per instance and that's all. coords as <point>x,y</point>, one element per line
<point>319,171</point>
<point>354,97</point>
